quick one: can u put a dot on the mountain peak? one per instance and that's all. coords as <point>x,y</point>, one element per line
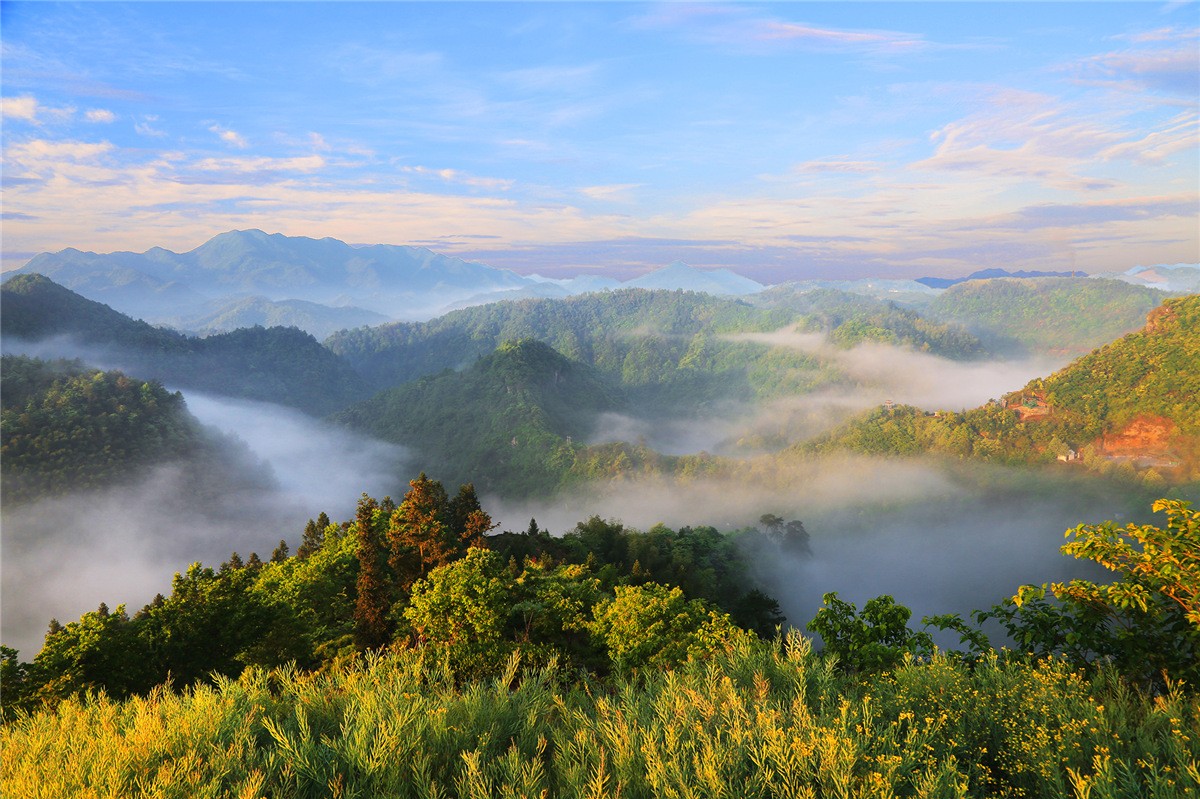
<point>678,275</point>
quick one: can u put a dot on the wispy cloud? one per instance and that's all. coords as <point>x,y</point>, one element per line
<point>877,41</point>
<point>837,165</point>
<point>456,176</point>
<point>100,115</point>
<point>1163,60</point>
<point>230,137</point>
<point>744,28</point>
<point>612,191</point>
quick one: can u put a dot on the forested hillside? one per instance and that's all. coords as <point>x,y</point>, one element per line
<point>1128,405</point>
<point>670,350</point>
<point>280,365</point>
<point>1057,315</point>
<point>67,428</point>
<point>509,420</point>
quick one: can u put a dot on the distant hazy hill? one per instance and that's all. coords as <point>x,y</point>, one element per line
<point>988,274</point>
<point>1131,404</point>
<point>679,276</point>
<point>281,365</point>
<point>1182,278</point>
<point>396,281</point>
<point>67,428</point>
<point>319,320</point>
<point>1063,315</point>
<point>506,421</point>
<point>319,285</point>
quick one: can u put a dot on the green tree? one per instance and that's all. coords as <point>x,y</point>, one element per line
<point>1147,621</point>
<point>655,625</point>
<point>373,594</point>
<point>878,639</point>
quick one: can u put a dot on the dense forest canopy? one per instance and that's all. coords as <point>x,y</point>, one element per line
<point>280,365</point>
<point>1128,405</point>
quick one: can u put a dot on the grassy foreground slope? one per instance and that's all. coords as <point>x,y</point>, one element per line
<point>766,719</point>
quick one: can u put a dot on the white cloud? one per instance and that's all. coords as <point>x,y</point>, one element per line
<point>42,151</point>
<point>307,163</point>
<point>100,115</point>
<point>455,176</point>
<point>230,137</point>
<point>613,191</point>
<point>146,127</point>
<point>24,107</point>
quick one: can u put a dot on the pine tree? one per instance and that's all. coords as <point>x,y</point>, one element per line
<point>314,537</point>
<point>281,552</point>
<point>468,521</point>
<point>419,535</point>
<point>371,603</point>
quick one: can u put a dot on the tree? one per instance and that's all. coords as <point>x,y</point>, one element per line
<point>372,600</point>
<point>419,534</point>
<point>314,536</point>
<point>1147,622</point>
<point>876,640</point>
<point>655,625</point>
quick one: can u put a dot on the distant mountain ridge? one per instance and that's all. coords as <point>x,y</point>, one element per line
<point>990,274</point>
<point>283,365</point>
<point>320,285</point>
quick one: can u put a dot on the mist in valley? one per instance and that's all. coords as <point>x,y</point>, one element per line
<point>63,556</point>
<point>938,537</point>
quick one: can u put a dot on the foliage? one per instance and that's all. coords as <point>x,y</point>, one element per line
<point>1045,314</point>
<point>279,364</point>
<point>66,427</point>
<point>1148,375</point>
<point>765,720</point>
<point>653,625</point>
<point>878,639</point>
<point>1147,622</point>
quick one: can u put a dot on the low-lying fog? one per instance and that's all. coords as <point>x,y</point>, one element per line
<point>875,373</point>
<point>937,538</point>
<point>64,556</point>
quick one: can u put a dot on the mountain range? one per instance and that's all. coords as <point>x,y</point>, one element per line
<point>247,277</point>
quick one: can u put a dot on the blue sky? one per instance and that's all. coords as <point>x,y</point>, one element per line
<point>785,141</point>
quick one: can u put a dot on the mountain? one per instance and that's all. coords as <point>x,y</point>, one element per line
<point>395,281</point>
<point>1181,278</point>
<point>990,274</point>
<point>508,421</point>
<point>68,428</point>
<point>1045,315</point>
<point>282,365</point>
<point>1127,406</point>
<point>319,285</point>
<point>679,276</point>
<point>314,318</point>
<point>667,348</point>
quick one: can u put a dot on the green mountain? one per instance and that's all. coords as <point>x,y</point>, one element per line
<point>65,428</point>
<point>281,365</point>
<point>670,350</point>
<point>1050,315</point>
<point>1129,405</point>
<point>509,422</point>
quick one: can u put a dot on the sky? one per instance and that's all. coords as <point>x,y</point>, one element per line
<point>784,141</point>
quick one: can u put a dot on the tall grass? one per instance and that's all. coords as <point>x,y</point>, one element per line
<point>767,720</point>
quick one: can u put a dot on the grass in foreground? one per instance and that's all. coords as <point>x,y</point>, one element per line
<point>767,720</point>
